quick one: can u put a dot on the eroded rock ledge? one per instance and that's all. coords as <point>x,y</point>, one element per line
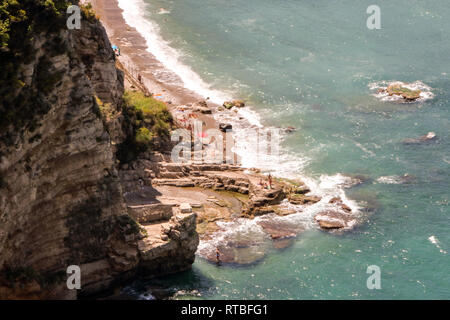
<point>61,198</point>
<point>221,193</point>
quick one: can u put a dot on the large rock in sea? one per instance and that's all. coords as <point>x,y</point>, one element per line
<point>430,136</point>
<point>399,90</point>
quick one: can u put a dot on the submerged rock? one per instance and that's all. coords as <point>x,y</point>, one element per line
<point>279,230</point>
<point>302,199</point>
<point>329,220</point>
<point>429,137</point>
<point>339,202</point>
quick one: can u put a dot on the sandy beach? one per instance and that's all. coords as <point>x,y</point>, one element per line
<point>139,62</point>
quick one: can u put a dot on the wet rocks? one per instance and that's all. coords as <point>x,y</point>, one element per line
<point>301,199</point>
<point>429,137</point>
<point>234,103</point>
<point>331,220</point>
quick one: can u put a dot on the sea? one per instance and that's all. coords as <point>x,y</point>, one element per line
<point>318,66</point>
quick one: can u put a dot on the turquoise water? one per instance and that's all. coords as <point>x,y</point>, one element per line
<point>309,64</point>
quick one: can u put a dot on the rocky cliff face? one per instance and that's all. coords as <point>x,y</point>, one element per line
<point>61,200</point>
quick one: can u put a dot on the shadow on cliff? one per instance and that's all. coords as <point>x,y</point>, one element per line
<point>146,195</point>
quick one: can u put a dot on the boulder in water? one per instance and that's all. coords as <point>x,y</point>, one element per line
<point>278,230</point>
<point>399,90</point>
<point>429,137</point>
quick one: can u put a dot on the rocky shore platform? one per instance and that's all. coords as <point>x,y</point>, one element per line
<point>158,191</point>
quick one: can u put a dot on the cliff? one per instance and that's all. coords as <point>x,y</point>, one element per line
<point>61,201</point>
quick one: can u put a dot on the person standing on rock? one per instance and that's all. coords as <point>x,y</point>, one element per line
<point>218,256</point>
<point>270,181</point>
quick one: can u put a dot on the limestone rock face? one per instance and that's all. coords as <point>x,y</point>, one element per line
<point>61,200</point>
<point>173,250</point>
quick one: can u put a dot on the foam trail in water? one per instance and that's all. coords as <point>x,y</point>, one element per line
<point>436,242</point>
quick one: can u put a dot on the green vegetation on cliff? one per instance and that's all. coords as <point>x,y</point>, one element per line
<point>145,121</point>
<point>20,23</point>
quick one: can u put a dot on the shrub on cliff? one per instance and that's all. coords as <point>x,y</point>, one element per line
<point>144,136</point>
<point>145,120</point>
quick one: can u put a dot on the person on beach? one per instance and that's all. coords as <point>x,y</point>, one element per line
<point>218,256</point>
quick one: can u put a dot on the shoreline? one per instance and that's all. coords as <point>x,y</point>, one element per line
<point>135,56</point>
<point>137,60</point>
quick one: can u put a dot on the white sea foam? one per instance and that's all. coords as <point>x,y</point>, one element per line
<point>390,180</point>
<point>436,242</point>
<point>426,93</point>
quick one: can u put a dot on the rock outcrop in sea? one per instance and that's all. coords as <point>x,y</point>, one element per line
<point>402,92</point>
